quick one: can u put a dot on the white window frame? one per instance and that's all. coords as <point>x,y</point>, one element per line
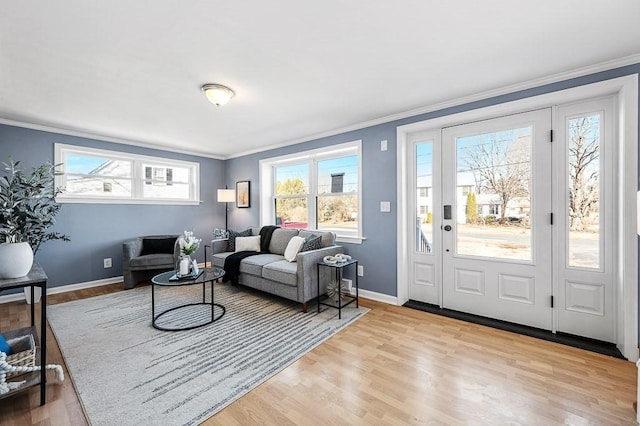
<point>267,182</point>
<point>137,177</point>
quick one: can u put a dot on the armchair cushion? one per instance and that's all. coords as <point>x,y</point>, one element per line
<point>159,260</point>
<point>157,245</point>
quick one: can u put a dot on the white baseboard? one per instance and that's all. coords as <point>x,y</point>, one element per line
<point>378,297</point>
<point>64,288</point>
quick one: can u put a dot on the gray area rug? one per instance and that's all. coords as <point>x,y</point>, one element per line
<point>128,373</point>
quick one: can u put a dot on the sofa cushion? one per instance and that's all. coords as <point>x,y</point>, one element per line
<point>280,239</point>
<point>160,260</point>
<point>281,271</point>
<point>248,243</point>
<point>253,264</point>
<point>219,258</point>
<point>326,238</point>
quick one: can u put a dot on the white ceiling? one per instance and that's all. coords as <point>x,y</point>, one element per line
<point>132,70</point>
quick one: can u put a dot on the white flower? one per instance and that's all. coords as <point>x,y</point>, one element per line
<point>188,243</point>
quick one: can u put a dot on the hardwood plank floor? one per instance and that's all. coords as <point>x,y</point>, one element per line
<point>395,366</point>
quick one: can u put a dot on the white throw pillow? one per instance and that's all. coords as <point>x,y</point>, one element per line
<point>248,243</point>
<point>294,246</point>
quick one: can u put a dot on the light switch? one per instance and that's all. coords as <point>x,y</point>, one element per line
<point>383,145</point>
<point>385,206</point>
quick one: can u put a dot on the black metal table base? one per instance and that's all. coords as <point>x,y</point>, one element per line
<point>213,316</point>
<point>165,280</point>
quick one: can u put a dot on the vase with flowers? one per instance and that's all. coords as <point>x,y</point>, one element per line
<point>188,245</point>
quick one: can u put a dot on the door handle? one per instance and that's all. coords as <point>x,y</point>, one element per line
<point>447,228</point>
<point>447,212</point>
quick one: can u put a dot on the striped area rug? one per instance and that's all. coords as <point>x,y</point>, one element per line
<point>128,373</point>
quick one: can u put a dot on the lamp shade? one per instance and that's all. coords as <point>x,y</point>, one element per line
<point>217,93</point>
<point>226,195</point>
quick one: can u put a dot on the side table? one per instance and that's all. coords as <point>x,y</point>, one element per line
<point>337,272</point>
<point>35,278</point>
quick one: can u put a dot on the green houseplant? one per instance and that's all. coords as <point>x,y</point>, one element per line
<point>27,211</point>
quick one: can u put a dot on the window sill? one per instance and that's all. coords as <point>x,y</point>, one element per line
<point>349,240</point>
<point>71,200</point>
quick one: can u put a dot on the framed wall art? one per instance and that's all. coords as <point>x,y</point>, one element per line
<point>243,194</point>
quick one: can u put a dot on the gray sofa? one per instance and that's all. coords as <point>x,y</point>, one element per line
<point>141,263</point>
<point>272,273</point>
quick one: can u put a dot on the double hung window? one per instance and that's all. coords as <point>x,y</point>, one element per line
<point>315,190</point>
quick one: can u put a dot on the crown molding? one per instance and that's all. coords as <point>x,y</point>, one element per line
<point>106,138</point>
<point>555,78</point>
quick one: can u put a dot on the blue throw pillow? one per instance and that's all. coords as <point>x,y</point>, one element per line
<point>312,242</point>
<point>4,346</point>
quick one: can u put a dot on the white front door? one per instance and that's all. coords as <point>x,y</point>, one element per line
<point>506,223</point>
<point>496,218</point>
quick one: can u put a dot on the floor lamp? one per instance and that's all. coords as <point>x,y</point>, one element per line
<point>226,196</point>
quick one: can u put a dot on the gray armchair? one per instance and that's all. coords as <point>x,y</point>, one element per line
<point>144,257</point>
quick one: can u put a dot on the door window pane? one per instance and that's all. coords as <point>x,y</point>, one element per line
<point>493,194</point>
<point>424,197</point>
<point>583,137</point>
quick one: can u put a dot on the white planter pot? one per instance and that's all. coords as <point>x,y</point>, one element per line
<point>16,260</point>
<point>37,294</point>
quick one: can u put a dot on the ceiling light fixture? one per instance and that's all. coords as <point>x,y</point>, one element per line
<point>217,93</point>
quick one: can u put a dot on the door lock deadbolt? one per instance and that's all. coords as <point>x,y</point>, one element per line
<point>447,227</point>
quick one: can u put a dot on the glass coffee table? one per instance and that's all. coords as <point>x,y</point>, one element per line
<point>187,316</point>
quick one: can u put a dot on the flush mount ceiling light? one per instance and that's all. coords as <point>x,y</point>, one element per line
<point>217,93</point>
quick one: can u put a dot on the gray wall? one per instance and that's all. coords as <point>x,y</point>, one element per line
<point>97,230</point>
<point>378,252</point>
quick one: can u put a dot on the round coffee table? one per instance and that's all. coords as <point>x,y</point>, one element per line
<point>164,280</point>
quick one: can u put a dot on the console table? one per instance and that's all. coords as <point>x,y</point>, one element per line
<point>35,278</point>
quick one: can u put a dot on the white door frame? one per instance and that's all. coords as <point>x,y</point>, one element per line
<point>626,89</point>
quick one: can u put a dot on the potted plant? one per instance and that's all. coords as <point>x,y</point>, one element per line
<point>27,211</point>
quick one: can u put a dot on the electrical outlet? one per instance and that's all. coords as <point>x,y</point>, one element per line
<point>360,271</point>
<point>347,284</point>
<point>107,262</point>
<point>383,145</point>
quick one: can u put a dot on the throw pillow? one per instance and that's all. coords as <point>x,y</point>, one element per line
<point>4,346</point>
<point>312,242</point>
<point>157,245</point>
<point>248,243</point>
<point>231,244</point>
<point>293,247</point>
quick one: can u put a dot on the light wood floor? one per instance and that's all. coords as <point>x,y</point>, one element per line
<point>396,366</point>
